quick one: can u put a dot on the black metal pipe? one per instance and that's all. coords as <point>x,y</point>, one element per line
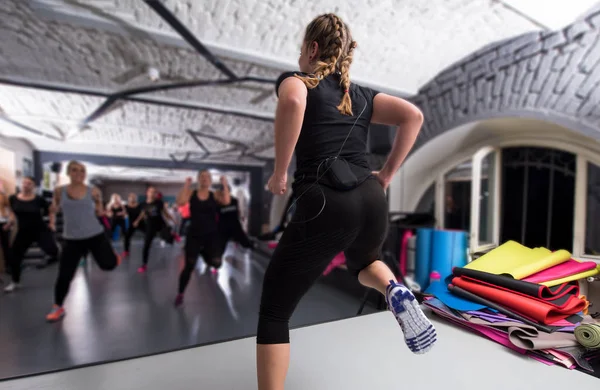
<point>195,107</point>
<point>165,87</point>
<point>29,129</point>
<point>168,17</point>
<point>187,84</point>
<point>153,101</point>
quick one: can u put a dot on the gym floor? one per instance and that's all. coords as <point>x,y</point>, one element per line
<point>123,314</point>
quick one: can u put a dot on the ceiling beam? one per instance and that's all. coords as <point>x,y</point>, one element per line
<point>186,34</point>
<point>29,129</point>
<point>112,99</point>
<point>147,100</point>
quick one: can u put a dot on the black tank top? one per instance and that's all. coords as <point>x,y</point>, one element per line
<point>325,129</point>
<point>116,210</point>
<point>229,213</point>
<point>203,215</point>
<point>29,213</point>
<point>134,212</point>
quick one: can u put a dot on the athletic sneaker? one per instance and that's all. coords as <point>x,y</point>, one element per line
<point>178,300</point>
<point>419,333</point>
<point>56,314</point>
<point>11,287</point>
<point>142,269</point>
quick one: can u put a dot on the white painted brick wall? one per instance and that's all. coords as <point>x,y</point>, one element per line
<point>401,43</point>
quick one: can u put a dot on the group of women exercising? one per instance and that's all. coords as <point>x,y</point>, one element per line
<point>213,222</point>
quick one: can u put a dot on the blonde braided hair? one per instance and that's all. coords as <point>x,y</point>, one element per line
<point>336,48</point>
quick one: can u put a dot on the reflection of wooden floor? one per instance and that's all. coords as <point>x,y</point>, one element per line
<point>123,314</point>
<point>355,354</point>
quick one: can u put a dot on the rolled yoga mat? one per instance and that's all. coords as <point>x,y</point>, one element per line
<point>423,257</point>
<point>518,261</point>
<point>568,268</point>
<point>442,252</point>
<point>459,249</point>
<point>588,335</point>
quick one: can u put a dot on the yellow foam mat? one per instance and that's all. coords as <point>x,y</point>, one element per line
<point>518,260</point>
<point>570,278</point>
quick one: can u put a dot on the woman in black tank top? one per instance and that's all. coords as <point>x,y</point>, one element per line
<point>27,210</point>
<point>133,209</point>
<point>340,204</point>
<point>117,214</point>
<point>230,227</point>
<point>203,232</point>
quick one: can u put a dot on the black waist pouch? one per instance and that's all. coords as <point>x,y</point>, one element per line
<point>342,175</point>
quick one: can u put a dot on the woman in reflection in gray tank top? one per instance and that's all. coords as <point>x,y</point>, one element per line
<point>81,205</point>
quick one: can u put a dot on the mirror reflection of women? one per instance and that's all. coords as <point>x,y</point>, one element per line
<point>83,232</point>
<point>27,210</point>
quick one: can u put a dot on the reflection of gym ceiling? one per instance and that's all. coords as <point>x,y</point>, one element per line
<point>94,48</point>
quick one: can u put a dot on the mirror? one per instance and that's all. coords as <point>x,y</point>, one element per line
<point>101,123</point>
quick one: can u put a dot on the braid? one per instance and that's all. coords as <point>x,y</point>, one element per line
<point>331,42</point>
<point>345,106</point>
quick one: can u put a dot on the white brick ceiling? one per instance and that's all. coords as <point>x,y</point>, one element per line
<point>93,44</point>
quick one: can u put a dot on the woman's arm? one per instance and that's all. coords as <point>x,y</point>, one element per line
<point>223,197</point>
<point>97,197</point>
<point>54,207</point>
<point>186,192</point>
<point>12,218</point>
<point>391,110</point>
<point>167,215</point>
<point>139,219</point>
<point>288,122</point>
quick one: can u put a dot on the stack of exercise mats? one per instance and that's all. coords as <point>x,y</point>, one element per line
<point>527,300</point>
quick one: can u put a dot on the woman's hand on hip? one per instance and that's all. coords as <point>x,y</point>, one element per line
<point>383,179</point>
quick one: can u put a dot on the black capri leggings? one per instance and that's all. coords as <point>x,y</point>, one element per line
<point>209,247</point>
<point>232,230</point>
<point>25,237</point>
<point>5,246</point>
<point>73,251</point>
<point>354,222</point>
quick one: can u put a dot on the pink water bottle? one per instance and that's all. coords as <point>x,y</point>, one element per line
<point>434,276</point>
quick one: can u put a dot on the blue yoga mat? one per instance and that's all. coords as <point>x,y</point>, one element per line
<point>423,256</point>
<point>439,289</point>
<point>442,252</point>
<point>459,249</point>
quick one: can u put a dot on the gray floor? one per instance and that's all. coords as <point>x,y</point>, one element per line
<point>360,353</point>
<point>122,314</point>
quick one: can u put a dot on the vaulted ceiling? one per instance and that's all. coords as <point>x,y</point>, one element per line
<point>61,59</point>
